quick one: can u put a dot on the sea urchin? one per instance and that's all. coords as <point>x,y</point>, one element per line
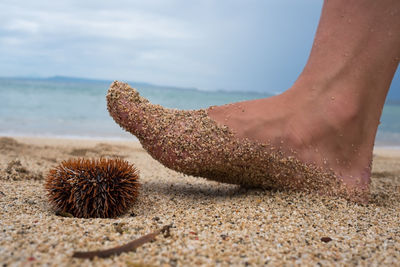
<point>102,188</point>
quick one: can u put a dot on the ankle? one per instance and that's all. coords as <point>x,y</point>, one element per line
<point>340,102</point>
<point>333,124</point>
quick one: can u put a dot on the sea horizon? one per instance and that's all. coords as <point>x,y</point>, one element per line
<point>75,108</point>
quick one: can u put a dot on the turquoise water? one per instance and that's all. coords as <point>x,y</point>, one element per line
<point>69,108</point>
<point>77,108</point>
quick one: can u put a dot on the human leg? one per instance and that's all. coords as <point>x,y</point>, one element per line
<point>330,115</point>
<point>316,136</point>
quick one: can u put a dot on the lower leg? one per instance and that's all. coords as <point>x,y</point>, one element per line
<point>330,115</point>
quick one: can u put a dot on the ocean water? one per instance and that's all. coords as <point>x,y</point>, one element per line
<point>64,107</point>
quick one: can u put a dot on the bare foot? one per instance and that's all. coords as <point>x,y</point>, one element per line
<point>325,131</point>
<point>270,143</point>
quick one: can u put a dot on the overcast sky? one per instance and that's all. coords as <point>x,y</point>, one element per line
<point>207,44</point>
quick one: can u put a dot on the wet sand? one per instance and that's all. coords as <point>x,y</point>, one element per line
<point>214,223</point>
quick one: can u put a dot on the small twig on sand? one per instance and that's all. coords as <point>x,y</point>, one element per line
<point>124,248</point>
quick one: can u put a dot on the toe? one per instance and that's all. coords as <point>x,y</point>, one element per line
<point>124,105</point>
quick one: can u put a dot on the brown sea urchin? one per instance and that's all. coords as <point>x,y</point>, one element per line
<point>102,188</point>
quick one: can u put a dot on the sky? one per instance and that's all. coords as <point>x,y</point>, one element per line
<point>225,44</point>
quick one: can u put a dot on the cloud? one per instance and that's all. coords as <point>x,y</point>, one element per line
<point>207,44</point>
<point>21,25</point>
<point>114,24</point>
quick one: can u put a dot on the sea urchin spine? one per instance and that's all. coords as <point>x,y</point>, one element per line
<point>102,188</point>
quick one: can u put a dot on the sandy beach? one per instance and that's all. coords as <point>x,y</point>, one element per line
<point>213,223</point>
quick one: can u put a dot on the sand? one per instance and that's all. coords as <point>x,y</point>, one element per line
<point>213,223</point>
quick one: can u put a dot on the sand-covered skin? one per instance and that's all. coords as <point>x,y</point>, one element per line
<point>190,142</point>
<point>214,223</point>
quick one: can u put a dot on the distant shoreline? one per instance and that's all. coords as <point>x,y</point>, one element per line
<point>70,137</point>
<point>136,84</point>
<point>132,138</point>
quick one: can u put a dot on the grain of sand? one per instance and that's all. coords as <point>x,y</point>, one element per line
<point>214,223</point>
